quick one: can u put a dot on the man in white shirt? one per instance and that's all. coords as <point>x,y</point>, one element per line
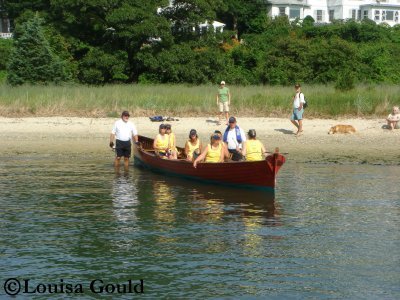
<point>298,110</point>
<point>234,137</point>
<point>123,132</point>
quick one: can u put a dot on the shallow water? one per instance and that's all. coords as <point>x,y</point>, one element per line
<point>330,231</point>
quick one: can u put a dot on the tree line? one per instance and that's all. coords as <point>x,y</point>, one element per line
<point>134,41</point>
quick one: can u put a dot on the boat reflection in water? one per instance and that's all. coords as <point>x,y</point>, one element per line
<point>206,202</point>
<point>255,207</point>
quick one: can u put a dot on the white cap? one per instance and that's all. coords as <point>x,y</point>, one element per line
<point>222,82</point>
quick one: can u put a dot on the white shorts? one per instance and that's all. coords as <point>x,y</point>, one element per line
<point>223,106</point>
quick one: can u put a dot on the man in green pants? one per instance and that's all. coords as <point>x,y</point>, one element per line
<point>223,101</point>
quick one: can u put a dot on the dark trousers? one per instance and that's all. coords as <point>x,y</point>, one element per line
<point>236,155</point>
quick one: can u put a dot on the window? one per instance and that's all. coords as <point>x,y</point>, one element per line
<point>319,15</point>
<point>365,13</point>
<point>359,14</point>
<point>377,15</point>
<point>282,11</point>
<point>396,16</point>
<point>390,15</point>
<point>353,14</point>
<point>383,15</point>
<point>294,13</point>
<point>331,15</point>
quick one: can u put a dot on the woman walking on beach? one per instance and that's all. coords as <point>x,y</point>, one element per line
<point>298,110</point>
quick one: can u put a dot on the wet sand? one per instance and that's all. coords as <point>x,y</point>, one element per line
<point>90,136</point>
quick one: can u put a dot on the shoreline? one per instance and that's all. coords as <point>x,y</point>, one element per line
<point>371,144</point>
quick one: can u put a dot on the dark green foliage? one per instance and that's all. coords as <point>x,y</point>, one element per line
<point>102,41</point>
<point>345,80</point>
<point>98,67</point>
<point>5,51</point>
<point>32,59</point>
<point>243,16</point>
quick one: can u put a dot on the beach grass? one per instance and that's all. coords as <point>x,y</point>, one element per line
<point>187,100</point>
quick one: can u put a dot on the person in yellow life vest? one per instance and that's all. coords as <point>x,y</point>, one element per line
<point>172,150</point>
<point>253,149</point>
<point>161,141</point>
<point>213,152</point>
<point>193,146</point>
<point>225,148</point>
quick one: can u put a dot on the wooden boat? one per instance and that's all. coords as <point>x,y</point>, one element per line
<point>255,174</point>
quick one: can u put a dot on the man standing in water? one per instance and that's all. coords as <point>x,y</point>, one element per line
<point>123,132</point>
<point>298,110</point>
<point>223,102</point>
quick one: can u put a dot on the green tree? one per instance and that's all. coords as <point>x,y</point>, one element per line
<point>186,14</point>
<point>111,27</point>
<point>5,51</point>
<point>32,59</point>
<point>243,16</point>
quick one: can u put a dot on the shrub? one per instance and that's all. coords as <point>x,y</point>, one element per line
<point>32,59</point>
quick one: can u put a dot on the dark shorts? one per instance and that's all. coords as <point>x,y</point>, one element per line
<point>123,148</point>
<point>236,156</point>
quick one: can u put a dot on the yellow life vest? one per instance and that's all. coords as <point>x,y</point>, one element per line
<point>192,148</point>
<point>162,143</point>
<point>172,141</point>
<point>214,155</point>
<point>253,150</point>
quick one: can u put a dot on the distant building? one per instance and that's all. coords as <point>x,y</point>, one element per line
<point>200,28</point>
<point>5,24</point>
<point>325,11</point>
<point>217,26</point>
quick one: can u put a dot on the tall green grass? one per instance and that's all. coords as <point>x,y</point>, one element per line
<point>183,100</point>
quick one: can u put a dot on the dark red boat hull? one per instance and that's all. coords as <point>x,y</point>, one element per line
<point>257,174</point>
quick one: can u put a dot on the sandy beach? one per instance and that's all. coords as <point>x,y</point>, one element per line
<point>88,136</point>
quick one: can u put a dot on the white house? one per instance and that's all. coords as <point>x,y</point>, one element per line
<point>324,11</point>
<point>217,26</point>
<point>5,25</point>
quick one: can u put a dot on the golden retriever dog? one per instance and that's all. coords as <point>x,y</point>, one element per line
<point>342,129</point>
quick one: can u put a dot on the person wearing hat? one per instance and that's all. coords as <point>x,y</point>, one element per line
<point>193,146</point>
<point>171,142</point>
<point>223,102</point>
<point>253,149</point>
<point>225,149</point>
<point>213,153</point>
<point>234,136</point>
<point>161,142</point>
<point>123,133</point>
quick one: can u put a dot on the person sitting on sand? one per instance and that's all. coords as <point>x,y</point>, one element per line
<point>253,149</point>
<point>172,150</point>
<point>393,118</point>
<point>193,146</point>
<point>161,142</point>
<point>213,153</point>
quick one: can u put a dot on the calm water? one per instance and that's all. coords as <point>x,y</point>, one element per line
<point>330,231</point>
